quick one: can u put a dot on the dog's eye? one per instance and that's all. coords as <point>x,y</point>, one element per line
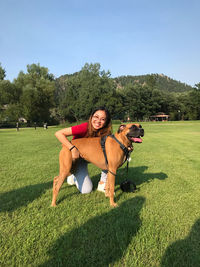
<point>133,127</point>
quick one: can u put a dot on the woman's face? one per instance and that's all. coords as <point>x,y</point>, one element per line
<point>98,119</point>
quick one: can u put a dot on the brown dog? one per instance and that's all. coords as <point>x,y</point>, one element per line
<point>90,149</point>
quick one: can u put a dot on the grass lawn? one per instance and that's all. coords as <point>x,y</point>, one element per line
<point>159,225</point>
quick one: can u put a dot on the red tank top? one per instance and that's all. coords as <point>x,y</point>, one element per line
<point>79,131</point>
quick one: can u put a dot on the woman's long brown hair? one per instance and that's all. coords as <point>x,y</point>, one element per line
<point>106,130</point>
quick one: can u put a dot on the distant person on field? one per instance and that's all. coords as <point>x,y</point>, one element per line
<point>17,126</point>
<point>45,126</point>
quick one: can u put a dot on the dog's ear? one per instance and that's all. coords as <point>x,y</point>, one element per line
<point>121,128</point>
<point>137,125</point>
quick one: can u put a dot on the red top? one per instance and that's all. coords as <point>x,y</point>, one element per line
<point>79,131</point>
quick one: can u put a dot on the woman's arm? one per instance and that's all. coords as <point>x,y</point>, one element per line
<point>62,137</point>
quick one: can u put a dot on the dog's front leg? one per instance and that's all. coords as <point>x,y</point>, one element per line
<point>111,187</point>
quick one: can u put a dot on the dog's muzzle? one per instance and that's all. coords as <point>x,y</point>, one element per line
<point>141,132</point>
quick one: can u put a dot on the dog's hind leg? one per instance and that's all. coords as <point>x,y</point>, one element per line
<point>55,191</point>
<point>65,161</point>
<point>57,183</point>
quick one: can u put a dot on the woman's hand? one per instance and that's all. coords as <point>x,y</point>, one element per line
<point>75,153</point>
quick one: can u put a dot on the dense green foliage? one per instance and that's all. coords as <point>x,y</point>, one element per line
<point>89,88</point>
<point>158,225</point>
<point>38,97</point>
<point>31,95</point>
<point>2,73</point>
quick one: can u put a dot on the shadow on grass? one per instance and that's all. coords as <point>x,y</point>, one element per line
<point>14,199</point>
<point>135,174</point>
<point>184,252</point>
<point>100,241</point>
<point>138,175</point>
<point>10,201</point>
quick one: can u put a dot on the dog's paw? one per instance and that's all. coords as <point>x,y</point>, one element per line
<point>107,194</point>
<point>114,205</point>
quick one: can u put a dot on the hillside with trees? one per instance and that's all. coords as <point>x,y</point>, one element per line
<point>159,81</point>
<point>38,97</point>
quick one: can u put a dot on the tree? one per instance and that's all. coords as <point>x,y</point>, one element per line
<point>197,86</point>
<point>9,101</point>
<point>86,90</point>
<point>38,88</point>
<point>2,73</point>
<point>194,105</point>
<point>12,113</point>
<point>132,101</point>
<point>37,72</point>
<point>69,100</point>
<point>9,93</point>
<point>151,81</point>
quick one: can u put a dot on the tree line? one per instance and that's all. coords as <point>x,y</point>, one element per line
<point>39,97</point>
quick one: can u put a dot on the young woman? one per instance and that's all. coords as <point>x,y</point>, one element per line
<point>99,125</point>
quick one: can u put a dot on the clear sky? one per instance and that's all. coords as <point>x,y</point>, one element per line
<point>127,37</point>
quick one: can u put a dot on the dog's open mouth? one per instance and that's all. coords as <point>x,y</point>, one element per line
<point>135,139</point>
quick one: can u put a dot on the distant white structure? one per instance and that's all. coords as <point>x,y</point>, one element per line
<point>22,120</point>
<point>159,117</point>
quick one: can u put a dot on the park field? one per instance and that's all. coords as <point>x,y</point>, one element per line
<point>158,225</point>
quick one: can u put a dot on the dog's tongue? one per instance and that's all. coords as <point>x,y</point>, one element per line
<point>137,140</point>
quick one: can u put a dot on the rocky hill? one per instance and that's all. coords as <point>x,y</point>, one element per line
<point>160,81</point>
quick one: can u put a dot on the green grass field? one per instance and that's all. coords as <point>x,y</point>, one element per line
<point>159,225</point>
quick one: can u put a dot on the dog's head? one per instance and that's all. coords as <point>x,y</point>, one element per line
<point>132,131</point>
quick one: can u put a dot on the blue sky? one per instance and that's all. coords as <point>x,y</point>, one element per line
<point>129,37</point>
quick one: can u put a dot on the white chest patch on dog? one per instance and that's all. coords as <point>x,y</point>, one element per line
<point>129,159</point>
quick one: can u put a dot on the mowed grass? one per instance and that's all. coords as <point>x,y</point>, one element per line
<point>159,225</point>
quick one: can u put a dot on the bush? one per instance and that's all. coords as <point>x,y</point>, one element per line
<point>5,124</point>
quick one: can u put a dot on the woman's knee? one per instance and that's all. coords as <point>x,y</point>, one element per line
<point>86,189</point>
